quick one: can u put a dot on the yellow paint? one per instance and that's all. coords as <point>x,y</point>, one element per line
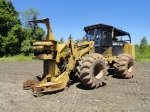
<point>108,52</point>
<point>129,48</point>
<point>40,43</point>
<point>112,33</point>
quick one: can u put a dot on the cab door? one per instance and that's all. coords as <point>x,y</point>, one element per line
<point>97,41</point>
<point>103,43</point>
<point>106,41</point>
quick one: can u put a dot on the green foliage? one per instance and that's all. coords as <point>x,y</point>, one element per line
<point>82,39</point>
<point>13,38</point>
<point>29,15</point>
<point>8,17</point>
<point>143,48</point>
<point>10,29</point>
<point>70,37</point>
<point>61,40</point>
<point>142,51</point>
<point>39,33</point>
<point>26,47</point>
<point>32,32</point>
<point>121,39</point>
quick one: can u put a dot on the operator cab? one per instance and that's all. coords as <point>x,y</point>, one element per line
<point>105,36</point>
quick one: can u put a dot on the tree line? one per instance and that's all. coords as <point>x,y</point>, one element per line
<point>70,37</point>
<point>142,50</point>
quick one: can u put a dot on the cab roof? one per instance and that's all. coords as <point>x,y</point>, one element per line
<point>117,32</point>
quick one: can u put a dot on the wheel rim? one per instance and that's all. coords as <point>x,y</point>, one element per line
<point>130,66</point>
<point>98,71</point>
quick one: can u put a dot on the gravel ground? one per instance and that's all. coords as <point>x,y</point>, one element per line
<point>119,95</point>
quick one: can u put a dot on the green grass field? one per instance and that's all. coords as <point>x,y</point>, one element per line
<point>143,60</point>
<point>17,58</point>
<point>29,58</point>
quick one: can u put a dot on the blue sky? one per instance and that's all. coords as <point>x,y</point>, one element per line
<point>70,16</point>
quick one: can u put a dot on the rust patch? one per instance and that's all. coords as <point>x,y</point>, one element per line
<point>29,84</point>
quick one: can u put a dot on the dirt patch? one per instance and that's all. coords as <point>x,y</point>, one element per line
<point>118,95</point>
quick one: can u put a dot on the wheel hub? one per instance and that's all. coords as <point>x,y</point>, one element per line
<point>130,66</point>
<point>98,71</point>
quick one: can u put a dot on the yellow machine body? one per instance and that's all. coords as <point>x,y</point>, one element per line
<point>53,53</point>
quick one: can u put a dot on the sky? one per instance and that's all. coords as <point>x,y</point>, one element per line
<point>71,16</point>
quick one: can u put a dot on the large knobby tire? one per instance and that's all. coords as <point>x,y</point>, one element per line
<point>124,66</point>
<point>92,70</point>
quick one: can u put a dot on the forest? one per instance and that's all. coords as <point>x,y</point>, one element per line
<point>17,35</point>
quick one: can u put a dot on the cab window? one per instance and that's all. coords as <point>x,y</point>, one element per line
<point>89,35</point>
<point>97,38</point>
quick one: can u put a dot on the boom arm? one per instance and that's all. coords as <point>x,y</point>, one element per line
<point>50,35</point>
<point>57,62</point>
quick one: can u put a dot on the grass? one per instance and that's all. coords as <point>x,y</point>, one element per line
<point>143,60</point>
<point>20,57</point>
<point>143,57</point>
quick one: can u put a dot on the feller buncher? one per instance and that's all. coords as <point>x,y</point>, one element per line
<point>89,60</point>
